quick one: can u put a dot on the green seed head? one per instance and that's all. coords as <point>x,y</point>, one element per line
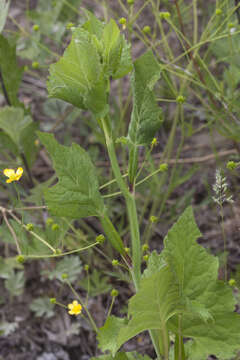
<point>232,282</point>
<point>127,250</point>
<point>146,257</point>
<point>53,300</point>
<point>231,165</point>
<point>145,247</point>
<point>163,167</point>
<point>164,15</point>
<point>100,239</point>
<point>55,227</point>
<point>64,276</point>
<point>130,2</point>
<point>35,64</point>
<point>29,227</point>
<point>180,99</point>
<point>20,259</point>
<point>122,21</point>
<point>230,25</point>
<point>115,262</point>
<point>86,267</point>
<point>49,221</point>
<point>218,11</point>
<point>153,219</point>
<point>35,27</point>
<point>147,29</point>
<point>114,293</point>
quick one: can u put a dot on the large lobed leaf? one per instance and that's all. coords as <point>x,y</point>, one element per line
<point>76,194</point>
<point>81,76</point>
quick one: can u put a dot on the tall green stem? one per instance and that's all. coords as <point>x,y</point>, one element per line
<point>130,202</point>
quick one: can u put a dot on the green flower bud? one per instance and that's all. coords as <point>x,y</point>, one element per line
<point>154,141</point>
<point>115,262</point>
<point>20,259</point>
<point>231,165</point>
<point>145,247</point>
<point>180,99</point>
<point>218,11</point>
<point>127,250</point>
<point>55,227</point>
<point>100,239</point>
<point>53,300</point>
<point>25,68</point>
<point>35,64</point>
<point>163,167</point>
<point>147,29</point>
<point>130,2</point>
<point>114,293</point>
<point>29,227</point>
<point>232,282</point>
<point>64,276</point>
<point>164,15</point>
<point>35,27</point>
<point>58,251</point>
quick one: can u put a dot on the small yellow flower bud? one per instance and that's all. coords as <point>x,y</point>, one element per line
<point>145,247</point>
<point>53,300</point>
<point>86,267</point>
<point>232,282</point>
<point>164,15</point>
<point>35,64</point>
<point>180,99</point>
<point>163,167</point>
<point>55,227</point>
<point>115,262</point>
<point>20,259</point>
<point>147,29</point>
<point>100,239</point>
<point>231,165</point>
<point>127,250</point>
<point>153,219</point>
<point>64,276</point>
<point>35,27</point>
<point>114,293</point>
<point>218,11</point>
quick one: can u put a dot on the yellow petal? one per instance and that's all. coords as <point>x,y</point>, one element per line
<point>9,181</point>
<point>19,171</point>
<point>75,303</point>
<point>9,172</point>
<point>70,306</point>
<point>71,312</point>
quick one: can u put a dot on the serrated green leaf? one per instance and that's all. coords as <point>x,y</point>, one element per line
<point>15,283</point>
<point>42,307</point>
<point>125,64</point>
<point>108,334</point>
<point>78,76</point>
<point>70,265</point>
<point>4,6</point>
<point>208,304</point>
<point>14,123</point>
<point>145,315</point>
<point>76,194</point>
<point>11,72</point>
<point>123,356</point>
<point>146,116</point>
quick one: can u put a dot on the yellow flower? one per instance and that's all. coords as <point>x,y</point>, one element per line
<point>75,308</point>
<point>12,175</point>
